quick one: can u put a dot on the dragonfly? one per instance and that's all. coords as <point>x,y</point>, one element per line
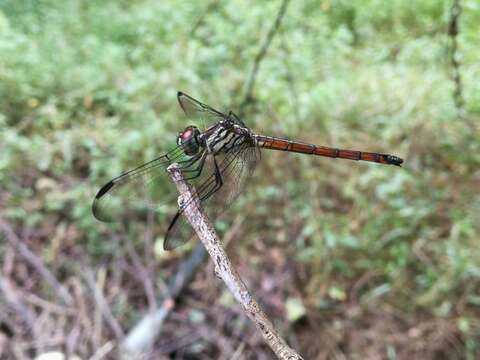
<point>217,161</point>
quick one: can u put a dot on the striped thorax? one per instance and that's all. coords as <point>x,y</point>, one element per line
<point>227,136</point>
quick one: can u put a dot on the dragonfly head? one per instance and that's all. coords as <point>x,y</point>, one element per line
<point>188,139</point>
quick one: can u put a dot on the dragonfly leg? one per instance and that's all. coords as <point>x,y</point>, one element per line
<point>197,170</point>
<point>185,164</point>
<point>218,181</point>
<point>204,192</point>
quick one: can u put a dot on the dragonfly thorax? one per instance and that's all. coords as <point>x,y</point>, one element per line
<point>224,138</point>
<point>188,139</point>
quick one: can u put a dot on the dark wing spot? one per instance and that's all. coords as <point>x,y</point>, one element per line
<point>104,189</point>
<point>97,207</point>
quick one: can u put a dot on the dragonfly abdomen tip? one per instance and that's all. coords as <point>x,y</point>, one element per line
<point>393,160</point>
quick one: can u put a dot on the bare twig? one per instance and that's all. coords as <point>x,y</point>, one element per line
<point>13,299</point>
<point>289,76</point>
<point>453,30</point>
<point>143,275</point>
<point>248,97</point>
<point>144,333</point>
<point>224,269</point>
<point>48,306</point>
<point>201,19</point>
<point>103,351</point>
<point>103,305</point>
<point>36,262</point>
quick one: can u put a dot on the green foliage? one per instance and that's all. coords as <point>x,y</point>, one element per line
<point>87,90</point>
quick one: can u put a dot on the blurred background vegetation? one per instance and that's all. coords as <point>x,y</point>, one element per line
<point>352,260</point>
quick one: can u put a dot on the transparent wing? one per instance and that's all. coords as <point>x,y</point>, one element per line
<point>235,167</point>
<point>236,119</point>
<point>198,111</point>
<point>144,188</point>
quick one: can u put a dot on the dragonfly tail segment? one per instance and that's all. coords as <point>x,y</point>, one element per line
<point>273,143</point>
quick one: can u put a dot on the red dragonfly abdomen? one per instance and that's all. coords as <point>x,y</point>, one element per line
<point>274,143</point>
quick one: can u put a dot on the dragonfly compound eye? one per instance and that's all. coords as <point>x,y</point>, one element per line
<point>189,141</point>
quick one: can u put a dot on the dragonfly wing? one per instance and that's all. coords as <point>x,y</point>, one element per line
<point>235,167</point>
<point>198,111</point>
<point>236,119</point>
<point>140,189</point>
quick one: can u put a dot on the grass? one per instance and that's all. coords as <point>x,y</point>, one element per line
<point>87,90</point>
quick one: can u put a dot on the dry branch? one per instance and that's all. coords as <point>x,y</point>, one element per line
<point>34,260</point>
<point>102,303</point>
<point>142,336</point>
<point>248,97</point>
<point>224,269</point>
<point>453,31</point>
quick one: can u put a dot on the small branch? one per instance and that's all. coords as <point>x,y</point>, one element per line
<point>453,30</point>
<point>148,329</point>
<point>102,304</point>
<point>224,269</point>
<point>261,54</point>
<point>210,7</point>
<point>36,262</point>
<point>14,300</point>
<point>143,275</point>
<point>289,77</point>
<point>103,351</point>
